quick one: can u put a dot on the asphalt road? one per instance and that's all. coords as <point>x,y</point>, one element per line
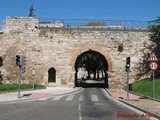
<point>88,104</point>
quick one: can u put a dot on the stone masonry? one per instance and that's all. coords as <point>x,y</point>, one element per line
<point>56,47</point>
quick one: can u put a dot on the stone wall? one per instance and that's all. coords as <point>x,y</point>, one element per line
<point>59,48</point>
<point>51,25</point>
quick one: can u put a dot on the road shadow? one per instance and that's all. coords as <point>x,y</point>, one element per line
<point>92,85</point>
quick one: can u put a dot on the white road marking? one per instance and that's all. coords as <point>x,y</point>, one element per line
<point>42,99</point>
<point>70,98</point>
<point>57,98</point>
<point>81,98</point>
<point>94,98</point>
<point>80,114</point>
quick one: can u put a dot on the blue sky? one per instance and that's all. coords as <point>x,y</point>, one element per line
<point>144,10</point>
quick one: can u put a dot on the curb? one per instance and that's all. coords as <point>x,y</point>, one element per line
<point>134,106</point>
<point>141,109</point>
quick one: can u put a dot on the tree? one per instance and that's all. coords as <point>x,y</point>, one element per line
<point>93,63</point>
<point>154,47</point>
<point>31,11</point>
<point>155,38</point>
<point>157,20</point>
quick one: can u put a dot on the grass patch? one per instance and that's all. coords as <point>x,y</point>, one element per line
<point>14,87</point>
<point>145,87</point>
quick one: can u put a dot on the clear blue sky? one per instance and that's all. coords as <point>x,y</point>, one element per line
<point>144,10</point>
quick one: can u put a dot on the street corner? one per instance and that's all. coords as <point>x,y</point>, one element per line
<point>38,95</point>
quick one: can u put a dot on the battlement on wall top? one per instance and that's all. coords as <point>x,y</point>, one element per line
<point>19,22</point>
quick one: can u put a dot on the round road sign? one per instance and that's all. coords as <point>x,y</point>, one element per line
<point>153,66</point>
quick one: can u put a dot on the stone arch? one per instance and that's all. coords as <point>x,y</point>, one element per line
<point>51,75</point>
<point>83,48</point>
<point>92,62</point>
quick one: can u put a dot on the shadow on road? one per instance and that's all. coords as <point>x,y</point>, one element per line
<point>92,84</point>
<point>98,83</point>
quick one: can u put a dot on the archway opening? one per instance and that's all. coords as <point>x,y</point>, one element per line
<point>91,70</point>
<point>51,75</point>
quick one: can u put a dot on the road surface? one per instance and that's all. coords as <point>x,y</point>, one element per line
<point>87,104</point>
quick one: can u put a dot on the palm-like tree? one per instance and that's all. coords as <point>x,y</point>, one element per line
<point>31,11</point>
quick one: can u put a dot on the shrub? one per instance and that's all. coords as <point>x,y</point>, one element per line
<point>12,87</point>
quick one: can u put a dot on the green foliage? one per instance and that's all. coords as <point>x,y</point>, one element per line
<point>157,20</point>
<point>92,62</point>
<point>80,81</point>
<point>144,87</point>
<point>154,47</point>
<point>12,87</point>
<point>31,11</point>
<point>120,46</point>
<point>96,23</point>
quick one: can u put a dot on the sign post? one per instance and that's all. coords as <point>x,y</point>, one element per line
<point>33,76</point>
<point>128,83</point>
<point>153,66</point>
<point>128,70</point>
<point>154,93</point>
<point>21,62</point>
<point>19,83</point>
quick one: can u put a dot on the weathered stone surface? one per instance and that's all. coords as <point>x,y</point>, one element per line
<point>59,48</point>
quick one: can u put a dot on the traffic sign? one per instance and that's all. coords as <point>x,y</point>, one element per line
<point>153,66</point>
<point>33,71</point>
<point>153,57</point>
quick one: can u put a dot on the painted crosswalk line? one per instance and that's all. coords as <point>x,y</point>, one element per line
<point>70,97</point>
<point>81,98</point>
<point>57,98</point>
<point>94,98</point>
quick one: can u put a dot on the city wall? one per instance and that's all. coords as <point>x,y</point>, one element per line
<point>47,47</point>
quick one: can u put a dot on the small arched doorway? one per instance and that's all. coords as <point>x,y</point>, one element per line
<point>1,62</point>
<point>91,66</point>
<point>51,75</point>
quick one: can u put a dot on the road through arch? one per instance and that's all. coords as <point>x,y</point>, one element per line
<point>91,70</point>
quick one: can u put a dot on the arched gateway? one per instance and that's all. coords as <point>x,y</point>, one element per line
<point>91,66</point>
<point>51,75</point>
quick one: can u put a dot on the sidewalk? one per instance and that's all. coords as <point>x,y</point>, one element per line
<point>37,94</point>
<point>146,105</point>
